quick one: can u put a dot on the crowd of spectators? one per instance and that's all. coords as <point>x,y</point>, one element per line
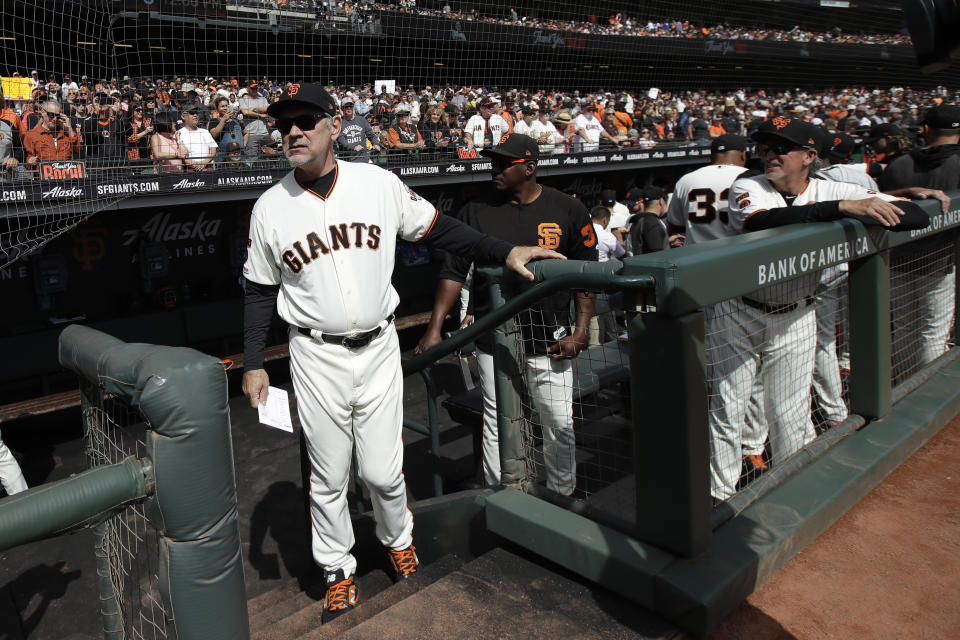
<point>197,124</point>
<point>617,24</point>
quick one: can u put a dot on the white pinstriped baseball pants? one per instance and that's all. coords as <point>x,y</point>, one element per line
<point>348,397</point>
<point>550,385</point>
<point>10,474</point>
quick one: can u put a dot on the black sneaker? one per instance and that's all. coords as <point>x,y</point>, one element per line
<point>404,561</point>
<point>341,596</point>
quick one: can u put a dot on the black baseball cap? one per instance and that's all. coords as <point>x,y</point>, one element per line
<point>233,147</point>
<point>729,142</point>
<point>943,117</point>
<point>486,102</point>
<point>792,130</point>
<point>650,193</point>
<point>311,95</point>
<point>528,110</point>
<point>515,146</point>
<point>608,197</point>
<point>884,130</point>
<point>840,145</point>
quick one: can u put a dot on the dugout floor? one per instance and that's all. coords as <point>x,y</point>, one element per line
<point>888,568</point>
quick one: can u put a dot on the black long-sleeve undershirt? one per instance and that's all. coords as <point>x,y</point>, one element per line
<point>259,301</point>
<point>913,216</point>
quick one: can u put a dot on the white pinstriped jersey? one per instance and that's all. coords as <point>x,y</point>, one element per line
<point>755,194</point>
<point>333,254</point>
<point>700,203</point>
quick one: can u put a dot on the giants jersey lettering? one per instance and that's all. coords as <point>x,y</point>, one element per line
<point>754,194</point>
<point>333,253</point>
<point>700,204</point>
<point>486,132</point>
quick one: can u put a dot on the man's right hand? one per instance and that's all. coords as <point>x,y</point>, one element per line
<point>876,208</point>
<point>255,384</point>
<point>429,339</point>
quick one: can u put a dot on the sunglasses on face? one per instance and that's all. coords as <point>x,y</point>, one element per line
<point>779,148</point>
<point>305,122</point>
<point>51,114</point>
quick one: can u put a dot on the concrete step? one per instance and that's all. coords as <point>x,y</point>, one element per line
<point>289,612</point>
<point>504,594</point>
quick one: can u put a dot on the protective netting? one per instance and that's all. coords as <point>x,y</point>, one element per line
<point>114,431</point>
<point>578,435</point>
<point>661,73</point>
<point>922,303</point>
<point>776,363</point>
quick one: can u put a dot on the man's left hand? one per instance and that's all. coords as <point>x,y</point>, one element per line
<point>519,256</point>
<point>922,193</point>
<point>567,348</point>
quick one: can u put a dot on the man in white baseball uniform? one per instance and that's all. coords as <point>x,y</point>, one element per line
<point>321,251</point>
<point>587,128</point>
<point>700,210</point>
<point>485,129</point>
<point>775,325</point>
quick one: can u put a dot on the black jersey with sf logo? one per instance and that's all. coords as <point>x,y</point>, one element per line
<point>553,221</point>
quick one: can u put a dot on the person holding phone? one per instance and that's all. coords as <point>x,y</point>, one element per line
<point>53,138</point>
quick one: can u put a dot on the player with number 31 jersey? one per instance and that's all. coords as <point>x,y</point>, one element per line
<point>699,204</point>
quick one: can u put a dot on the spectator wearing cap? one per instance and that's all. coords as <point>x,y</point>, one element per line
<point>356,137</point>
<point>485,129</point>
<point>30,116</point>
<point>232,158</point>
<point>528,116</point>
<point>564,124</point>
<point>587,130</point>
<point>200,145</point>
<point>224,128</point>
<point>139,130</point>
<point>698,129</point>
<point>403,137</point>
<point>67,86</point>
<point>254,109</point>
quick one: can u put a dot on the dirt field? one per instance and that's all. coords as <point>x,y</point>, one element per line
<point>889,568</point>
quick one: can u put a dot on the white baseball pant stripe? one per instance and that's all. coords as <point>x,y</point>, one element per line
<point>738,339</point>
<point>348,397</point>
<point>10,474</point>
<point>826,370</point>
<point>550,386</point>
<point>924,306</point>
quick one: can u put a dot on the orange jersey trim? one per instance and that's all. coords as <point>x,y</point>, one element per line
<point>336,175</point>
<point>436,214</point>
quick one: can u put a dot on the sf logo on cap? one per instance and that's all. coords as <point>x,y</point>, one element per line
<point>293,90</point>
<point>780,123</point>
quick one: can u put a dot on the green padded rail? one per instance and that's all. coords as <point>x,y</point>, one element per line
<point>73,503</point>
<point>183,395</point>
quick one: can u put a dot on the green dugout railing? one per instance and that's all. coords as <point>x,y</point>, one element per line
<point>186,484</point>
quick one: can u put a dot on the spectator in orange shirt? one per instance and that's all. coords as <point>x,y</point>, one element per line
<point>404,137</point>
<point>716,127</point>
<point>53,138</point>
<point>8,114</point>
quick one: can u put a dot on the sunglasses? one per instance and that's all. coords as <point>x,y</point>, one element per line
<point>779,148</point>
<point>51,114</point>
<point>305,122</point>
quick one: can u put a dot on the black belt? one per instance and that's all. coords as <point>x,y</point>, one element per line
<point>773,308</point>
<point>353,341</point>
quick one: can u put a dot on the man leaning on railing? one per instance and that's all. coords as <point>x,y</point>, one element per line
<point>776,325</point>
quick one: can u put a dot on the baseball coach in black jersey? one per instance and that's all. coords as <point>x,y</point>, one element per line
<point>520,210</point>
